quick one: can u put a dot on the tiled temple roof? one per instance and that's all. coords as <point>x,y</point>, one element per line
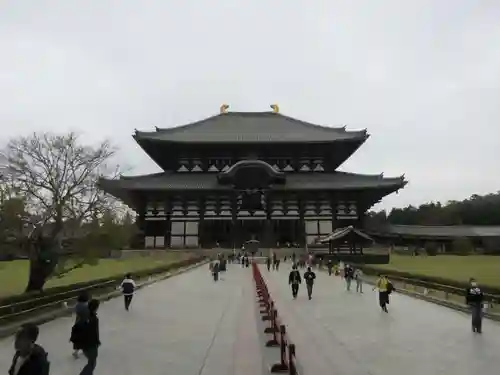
<point>294,181</point>
<point>250,127</point>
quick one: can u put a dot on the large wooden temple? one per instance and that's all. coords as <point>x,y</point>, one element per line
<point>241,176</point>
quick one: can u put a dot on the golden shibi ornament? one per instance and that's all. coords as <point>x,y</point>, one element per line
<point>275,108</point>
<point>224,108</point>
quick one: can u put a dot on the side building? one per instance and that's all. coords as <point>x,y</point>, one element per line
<point>241,176</point>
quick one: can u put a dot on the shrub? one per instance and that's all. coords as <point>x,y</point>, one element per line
<point>462,246</point>
<point>431,248</point>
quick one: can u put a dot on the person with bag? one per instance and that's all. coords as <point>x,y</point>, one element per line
<point>128,288</point>
<point>309,277</point>
<point>474,298</point>
<point>385,288</point>
<point>358,276</point>
<point>294,280</point>
<point>30,358</point>
<point>348,276</point>
<point>81,315</point>
<point>90,341</point>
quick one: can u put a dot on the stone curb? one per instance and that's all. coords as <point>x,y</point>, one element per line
<point>52,315</point>
<point>437,301</point>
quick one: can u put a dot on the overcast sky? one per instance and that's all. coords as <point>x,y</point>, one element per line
<point>422,76</point>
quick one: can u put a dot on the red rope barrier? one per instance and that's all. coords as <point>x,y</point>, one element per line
<point>287,363</point>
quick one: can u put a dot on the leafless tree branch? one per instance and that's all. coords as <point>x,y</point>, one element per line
<point>58,176</point>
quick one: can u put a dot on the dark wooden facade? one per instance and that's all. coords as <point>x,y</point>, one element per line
<point>240,176</point>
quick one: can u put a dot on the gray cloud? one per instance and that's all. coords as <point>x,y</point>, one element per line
<point>423,76</point>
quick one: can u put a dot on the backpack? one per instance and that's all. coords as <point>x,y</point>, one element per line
<point>390,287</point>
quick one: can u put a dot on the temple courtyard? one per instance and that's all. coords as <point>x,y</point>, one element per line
<point>189,324</point>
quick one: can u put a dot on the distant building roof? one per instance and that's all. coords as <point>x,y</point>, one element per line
<point>248,127</point>
<point>294,181</point>
<point>340,233</point>
<point>438,231</point>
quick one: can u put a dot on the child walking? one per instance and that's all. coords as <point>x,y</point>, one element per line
<point>128,288</point>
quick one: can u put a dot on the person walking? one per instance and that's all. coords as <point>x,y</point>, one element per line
<point>128,288</point>
<point>358,276</point>
<point>29,358</point>
<point>341,269</point>
<point>348,275</point>
<point>90,341</point>
<point>215,271</point>
<point>385,288</point>
<point>294,280</point>
<point>474,298</point>
<point>329,266</point>
<point>309,277</point>
<point>277,264</point>
<point>81,315</point>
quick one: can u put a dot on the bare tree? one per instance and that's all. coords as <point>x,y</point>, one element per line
<point>57,176</point>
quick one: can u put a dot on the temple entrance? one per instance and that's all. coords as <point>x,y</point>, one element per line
<point>287,232</point>
<point>216,233</point>
<point>251,230</point>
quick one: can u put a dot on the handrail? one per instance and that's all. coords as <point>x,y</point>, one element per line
<point>280,338</point>
<point>442,287</point>
<point>494,298</point>
<point>11,311</point>
<point>56,296</point>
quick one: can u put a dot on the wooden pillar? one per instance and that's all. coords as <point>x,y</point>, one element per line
<point>139,241</point>
<point>302,225</point>
<point>234,221</point>
<point>167,224</point>
<point>269,241</point>
<point>201,226</point>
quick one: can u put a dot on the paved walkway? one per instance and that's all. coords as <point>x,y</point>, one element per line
<point>344,333</point>
<point>186,325</point>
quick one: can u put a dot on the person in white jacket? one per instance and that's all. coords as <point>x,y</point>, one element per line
<point>128,287</point>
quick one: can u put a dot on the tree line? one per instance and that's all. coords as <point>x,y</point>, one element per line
<point>475,210</point>
<point>52,211</point>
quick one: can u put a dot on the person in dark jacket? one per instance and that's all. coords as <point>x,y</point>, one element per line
<point>294,280</point>
<point>90,339</point>
<point>474,298</point>
<point>348,275</point>
<point>309,277</point>
<point>30,358</point>
<point>81,315</point>
<point>268,263</point>
<point>215,271</point>
<point>329,265</point>
<point>128,288</point>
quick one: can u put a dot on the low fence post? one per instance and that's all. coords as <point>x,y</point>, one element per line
<point>282,366</point>
<point>267,313</point>
<point>274,325</point>
<point>291,359</point>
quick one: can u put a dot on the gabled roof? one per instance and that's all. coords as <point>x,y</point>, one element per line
<point>249,127</point>
<point>439,231</point>
<point>340,233</point>
<point>208,181</point>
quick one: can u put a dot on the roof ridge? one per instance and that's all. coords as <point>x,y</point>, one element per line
<point>380,175</point>
<point>148,175</point>
<point>341,129</point>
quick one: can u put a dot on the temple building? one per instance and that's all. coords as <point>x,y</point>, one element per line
<point>241,176</point>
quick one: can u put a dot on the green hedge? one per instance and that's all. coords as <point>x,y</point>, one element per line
<point>356,258</point>
<point>31,300</point>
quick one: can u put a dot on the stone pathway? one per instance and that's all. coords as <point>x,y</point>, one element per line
<point>185,325</point>
<point>344,333</point>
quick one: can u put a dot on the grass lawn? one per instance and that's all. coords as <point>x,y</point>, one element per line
<point>485,269</point>
<point>14,275</point>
